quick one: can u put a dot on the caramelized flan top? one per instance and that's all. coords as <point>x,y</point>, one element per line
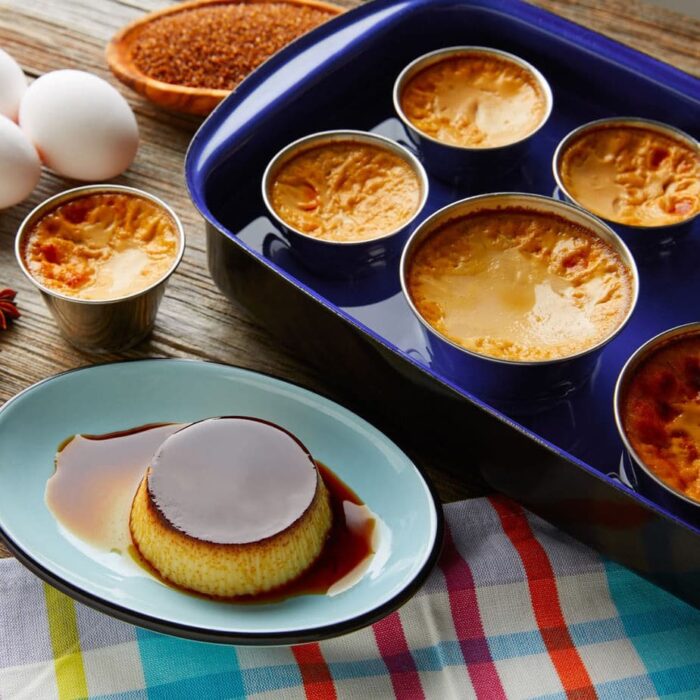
<point>633,176</point>
<point>232,480</point>
<point>474,101</point>
<point>519,285</point>
<point>102,246</point>
<point>660,413</point>
<point>347,191</point>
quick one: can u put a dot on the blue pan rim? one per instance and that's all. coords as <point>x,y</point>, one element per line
<point>594,43</point>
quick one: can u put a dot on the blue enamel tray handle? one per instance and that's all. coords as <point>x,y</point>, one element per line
<point>638,237</point>
<point>476,169</point>
<point>566,464</point>
<point>515,386</point>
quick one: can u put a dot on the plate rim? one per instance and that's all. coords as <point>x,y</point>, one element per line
<point>192,632</point>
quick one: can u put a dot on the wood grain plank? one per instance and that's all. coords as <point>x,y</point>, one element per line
<point>661,33</point>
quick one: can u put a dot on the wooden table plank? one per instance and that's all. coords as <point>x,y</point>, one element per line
<point>195,320</point>
<point>663,34</point>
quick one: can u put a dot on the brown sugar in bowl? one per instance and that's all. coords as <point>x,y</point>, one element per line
<point>147,56</point>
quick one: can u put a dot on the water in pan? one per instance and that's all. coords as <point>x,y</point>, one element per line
<point>585,87</point>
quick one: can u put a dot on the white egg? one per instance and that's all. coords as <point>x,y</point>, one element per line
<point>81,126</point>
<point>13,85</point>
<point>20,168</point>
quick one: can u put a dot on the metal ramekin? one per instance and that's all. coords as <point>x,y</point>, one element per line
<point>513,385</point>
<point>633,235</point>
<point>344,258</point>
<point>473,168</point>
<point>648,483</point>
<point>99,326</point>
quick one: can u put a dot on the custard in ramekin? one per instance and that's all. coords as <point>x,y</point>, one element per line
<point>657,410</point>
<point>101,256</point>
<point>345,200</point>
<point>101,246</point>
<point>518,293</point>
<point>638,174</point>
<point>471,111</point>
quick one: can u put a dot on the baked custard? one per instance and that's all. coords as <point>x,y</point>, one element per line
<point>91,494</point>
<point>346,191</point>
<point>660,412</point>
<point>632,175</point>
<point>231,507</point>
<point>519,285</point>
<point>102,246</point>
<point>475,101</point>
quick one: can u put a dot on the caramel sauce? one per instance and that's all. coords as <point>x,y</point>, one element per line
<point>96,477</point>
<point>256,465</point>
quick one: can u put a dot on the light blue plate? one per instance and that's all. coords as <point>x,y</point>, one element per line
<point>112,397</point>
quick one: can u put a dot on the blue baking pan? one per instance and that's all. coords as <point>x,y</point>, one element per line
<point>565,462</point>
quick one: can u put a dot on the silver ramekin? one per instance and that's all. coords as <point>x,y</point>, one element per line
<point>633,233</point>
<point>468,166</point>
<point>344,258</point>
<point>100,326</point>
<point>521,386</point>
<point>648,483</point>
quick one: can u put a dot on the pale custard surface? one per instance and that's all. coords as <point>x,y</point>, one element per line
<point>633,176</point>
<point>102,246</point>
<point>474,101</point>
<point>346,192</point>
<point>519,285</point>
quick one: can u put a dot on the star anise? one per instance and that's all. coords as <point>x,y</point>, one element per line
<point>8,309</point>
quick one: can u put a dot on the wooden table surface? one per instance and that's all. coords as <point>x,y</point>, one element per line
<point>195,320</point>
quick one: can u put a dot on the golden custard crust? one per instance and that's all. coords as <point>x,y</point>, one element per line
<point>633,176</point>
<point>229,570</point>
<point>661,414</point>
<point>231,506</point>
<point>102,246</point>
<point>474,101</point>
<point>519,285</point>
<point>346,192</point>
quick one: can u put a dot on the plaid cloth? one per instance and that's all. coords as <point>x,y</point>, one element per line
<point>515,609</point>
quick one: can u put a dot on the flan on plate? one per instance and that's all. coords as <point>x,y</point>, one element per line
<point>231,507</point>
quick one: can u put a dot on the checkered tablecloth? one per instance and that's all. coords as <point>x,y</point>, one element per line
<point>515,609</point>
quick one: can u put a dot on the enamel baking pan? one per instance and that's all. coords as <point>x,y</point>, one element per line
<point>566,463</point>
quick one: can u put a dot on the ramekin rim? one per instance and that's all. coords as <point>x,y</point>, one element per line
<point>652,124</point>
<point>75,193</point>
<point>645,350</point>
<point>442,54</point>
<point>615,241</point>
<point>345,134</point>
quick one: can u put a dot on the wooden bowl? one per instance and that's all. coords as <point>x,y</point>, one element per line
<point>179,98</point>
